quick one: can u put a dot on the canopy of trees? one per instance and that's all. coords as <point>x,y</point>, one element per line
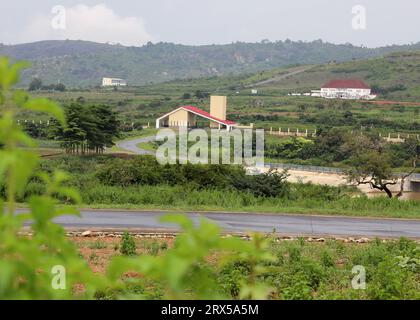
<point>36,84</point>
<point>89,129</point>
<point>372,162</point>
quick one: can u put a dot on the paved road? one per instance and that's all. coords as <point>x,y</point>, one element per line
<point>131,145</point>
<point>246,222</point>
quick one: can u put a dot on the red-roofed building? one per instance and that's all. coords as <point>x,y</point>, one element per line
<point>346,89</point>
<point>192,117</point>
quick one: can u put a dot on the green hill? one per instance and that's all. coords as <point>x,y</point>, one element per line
<point>395,76</point>
<point>81,63</point>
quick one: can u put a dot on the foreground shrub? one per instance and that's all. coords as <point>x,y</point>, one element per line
<point>128,245</point>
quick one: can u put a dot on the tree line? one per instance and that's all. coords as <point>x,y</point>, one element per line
<point>90,129</point>
<point>369,159</point>
<point>37,84</point>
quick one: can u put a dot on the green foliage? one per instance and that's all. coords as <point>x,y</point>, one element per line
<point>145,170</point>
<point>290,148</point>
<point>294,198</point>
<point>97,245</point>
<point>270,184</point>
<point>254,269</point>
<point>27,262</point>
<point>183,270</point>
<point>36,84</point>
<point>35,130</point>
<point>371,164</point>
<point>128,245</point>
<point>90,129</point>
<point>154,248</point>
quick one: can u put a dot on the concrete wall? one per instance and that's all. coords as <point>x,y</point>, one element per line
<point>108,82</point>
<point>181,118</point>
<point>333,92</point>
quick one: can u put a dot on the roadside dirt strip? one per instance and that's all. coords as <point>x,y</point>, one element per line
<point>172,236</point>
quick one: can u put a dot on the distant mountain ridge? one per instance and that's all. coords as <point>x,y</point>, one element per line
<point>81,63</point>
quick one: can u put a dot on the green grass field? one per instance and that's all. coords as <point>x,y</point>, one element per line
<point>180,199</point>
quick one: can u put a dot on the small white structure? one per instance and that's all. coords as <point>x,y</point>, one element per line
<point>316,93</point>
<point>345,89</point>
<point>113,82</point>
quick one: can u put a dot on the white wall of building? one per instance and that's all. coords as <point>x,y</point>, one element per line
<point>345,93</point>
<point>113,82</point>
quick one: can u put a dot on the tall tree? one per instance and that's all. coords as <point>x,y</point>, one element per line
<point>89,129</point>
<point>36,84</point>
<point>371,163</point>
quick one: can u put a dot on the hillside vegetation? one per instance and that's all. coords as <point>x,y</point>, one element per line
<point>81,63</point>
<point>394,76</point>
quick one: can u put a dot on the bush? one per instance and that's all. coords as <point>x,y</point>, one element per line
<point>298,289</point>
<point>97,245</point>
<point>145,170</point>
<point>128,245</point>
<point>271,184</point>
<point>231,276</point>
<point>327,259</point>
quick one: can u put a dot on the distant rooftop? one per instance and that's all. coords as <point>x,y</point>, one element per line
<point>207,115</point>
<point>346,84</point>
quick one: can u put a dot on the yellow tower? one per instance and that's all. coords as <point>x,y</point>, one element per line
<point>218,106</point>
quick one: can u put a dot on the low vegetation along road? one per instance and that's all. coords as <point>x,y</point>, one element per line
<point>299,225</point>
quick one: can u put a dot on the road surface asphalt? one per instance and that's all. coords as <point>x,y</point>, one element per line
<point>299,225</point>
<point>131,145</point>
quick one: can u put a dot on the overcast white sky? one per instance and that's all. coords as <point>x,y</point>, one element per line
<point>134,22</point>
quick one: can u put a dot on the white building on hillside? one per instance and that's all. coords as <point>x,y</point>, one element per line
<point>345,89</point>
<point>113,82</point>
